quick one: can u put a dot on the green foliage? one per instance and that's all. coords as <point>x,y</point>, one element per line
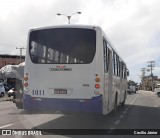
<point>132,83</point>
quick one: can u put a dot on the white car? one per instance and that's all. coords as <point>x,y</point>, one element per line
<point>157,90</point>
<point>2,90</point>
<point>11,92</point>
<point>131,89</point>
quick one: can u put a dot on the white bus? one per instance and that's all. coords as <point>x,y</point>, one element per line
<point>73,68</point>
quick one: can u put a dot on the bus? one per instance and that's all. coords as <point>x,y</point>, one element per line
<point>73,68</point>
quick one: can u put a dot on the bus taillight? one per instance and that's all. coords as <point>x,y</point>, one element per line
<point>26,78</point>
<point>97,86</point>
<point>97,79</point>
<point>25,84</point>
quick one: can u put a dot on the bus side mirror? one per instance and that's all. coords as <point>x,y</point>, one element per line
<point>127,72</point>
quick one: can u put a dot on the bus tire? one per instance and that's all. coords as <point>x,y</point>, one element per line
<point>158,94</point>
<point>123,103</point>
<point>115,105</point>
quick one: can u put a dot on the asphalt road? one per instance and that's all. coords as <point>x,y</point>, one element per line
<point>142,111</point>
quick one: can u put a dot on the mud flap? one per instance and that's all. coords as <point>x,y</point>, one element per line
<point>18,100</point>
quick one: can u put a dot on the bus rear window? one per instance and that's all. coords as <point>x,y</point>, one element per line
<point>62,46</point>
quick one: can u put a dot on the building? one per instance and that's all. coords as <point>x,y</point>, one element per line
<point>147,82</point>
<point>10,60</point>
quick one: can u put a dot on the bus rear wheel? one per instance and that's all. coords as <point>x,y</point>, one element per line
<point>115,105</point>
<point>123,103</point>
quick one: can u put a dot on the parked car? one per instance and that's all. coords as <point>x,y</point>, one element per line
<point>2,90</point>
<point>11,92</point>
<point>132,89</point>
<point>7,87</point>
<point>128,90</point>
<point>157,90</point>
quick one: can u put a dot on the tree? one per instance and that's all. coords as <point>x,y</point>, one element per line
<point>132,83</point>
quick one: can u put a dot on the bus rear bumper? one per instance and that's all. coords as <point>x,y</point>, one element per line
<point>93,105</point>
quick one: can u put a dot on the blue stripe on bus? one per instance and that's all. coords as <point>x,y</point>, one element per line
<point>93,105</point>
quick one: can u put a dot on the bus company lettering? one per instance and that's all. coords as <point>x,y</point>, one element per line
<point>60,69</point>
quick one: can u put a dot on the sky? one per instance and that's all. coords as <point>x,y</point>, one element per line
<point>132,26</point>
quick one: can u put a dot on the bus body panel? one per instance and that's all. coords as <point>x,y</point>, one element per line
<point>79,97</point>
<point>93,105</point>
<point>81,77</point>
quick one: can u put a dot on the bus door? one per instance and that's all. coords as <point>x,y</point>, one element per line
<point>108,76</point>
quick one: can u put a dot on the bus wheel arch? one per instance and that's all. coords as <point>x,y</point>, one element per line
<point>125,95</point>
<point>115,103</point>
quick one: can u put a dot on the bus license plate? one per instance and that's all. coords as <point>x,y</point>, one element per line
<point>60,91</point>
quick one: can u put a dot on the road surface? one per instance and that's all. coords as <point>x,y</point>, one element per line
<point>141,111</point>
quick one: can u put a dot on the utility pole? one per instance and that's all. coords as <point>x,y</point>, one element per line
<point>20,48</point>
<point>142,78</point>
<point>151,65</point>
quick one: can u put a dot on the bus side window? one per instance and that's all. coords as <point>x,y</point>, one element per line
<point>118,66</point>
<point>106,56</point>
<point>123,71</point>
<point>114,64</point>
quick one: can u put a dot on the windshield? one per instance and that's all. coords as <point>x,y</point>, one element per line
<point>62,45</point>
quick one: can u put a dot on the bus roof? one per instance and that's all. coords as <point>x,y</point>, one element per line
<point>66,26</point>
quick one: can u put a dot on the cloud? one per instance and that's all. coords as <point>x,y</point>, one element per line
<point>19,17</point>
<point>133,26</point>
<point>134,32</point>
